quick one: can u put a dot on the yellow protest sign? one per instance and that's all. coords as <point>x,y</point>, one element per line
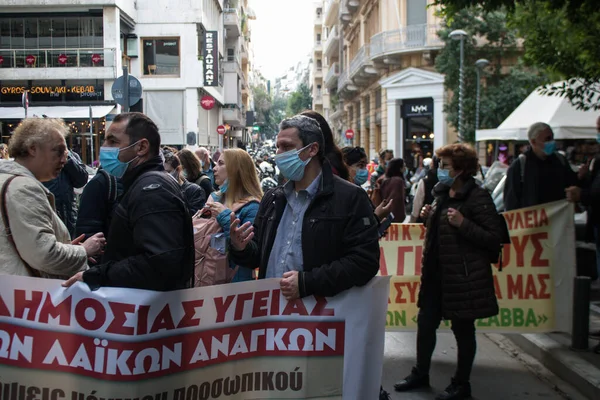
<point>534,288</point>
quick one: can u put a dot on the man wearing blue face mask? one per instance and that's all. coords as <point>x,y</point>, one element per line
<point>317,231</point>
<point>539,176</point>
<point>150,243</point>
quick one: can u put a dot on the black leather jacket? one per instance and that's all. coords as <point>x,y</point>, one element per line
<point>150,244</point>
<point>340,241</point>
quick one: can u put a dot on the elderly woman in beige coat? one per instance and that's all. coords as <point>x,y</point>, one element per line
<point>33,239</point>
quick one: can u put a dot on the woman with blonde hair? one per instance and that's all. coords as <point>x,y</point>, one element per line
<point>33,239</point>
<point>239,192</point>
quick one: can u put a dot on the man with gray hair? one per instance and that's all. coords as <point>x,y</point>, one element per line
<point>206,163</point>
<point>317,231</point>
<point>540,175</point>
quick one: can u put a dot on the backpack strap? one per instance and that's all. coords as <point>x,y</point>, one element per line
<point>112,186</point>
<point>6,222</point>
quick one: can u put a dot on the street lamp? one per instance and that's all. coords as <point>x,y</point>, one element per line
<point>480,64</point>
<point>459,34</point>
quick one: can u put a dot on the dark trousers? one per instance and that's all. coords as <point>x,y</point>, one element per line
<point>429,318</point>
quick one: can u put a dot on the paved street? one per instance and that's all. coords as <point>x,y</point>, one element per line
<point>497,375</point>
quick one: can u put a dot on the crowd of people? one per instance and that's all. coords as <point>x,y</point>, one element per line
<point>158,218</point>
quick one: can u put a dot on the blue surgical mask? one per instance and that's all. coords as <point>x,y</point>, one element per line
<point>549,148</point>
<point>224,186</point>
<point>290,165</point>
<point>109,159</point>
<point>444,177</point>
<point>361,176</point>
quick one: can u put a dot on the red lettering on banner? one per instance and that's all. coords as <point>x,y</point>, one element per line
<point>402,250</point>
<point>99,314</point>
<point>240,303</point>
<point>418,259</point>
<point>321,307</point>
<point>520,249</point>
<point>3,309</point>
<point>497,288</point>
<point>22,304</point>
<point>399,298</point>
<point>163,320</point>
<point>529,289</point>
<point>412,291</point>
<point>295,307</point>
<point>406,232</point>
<point>142,319</point>
<point>120,311</point>
<point>222,305</point>
<point>261,304</point>
<point>382,264</point>
<point>423,230</point>
<point>189,309</point>
<point>392,233</point>
<point>537,260</point>
<point>275,297</point>
<point>529,219</point>
<point>62,311</point>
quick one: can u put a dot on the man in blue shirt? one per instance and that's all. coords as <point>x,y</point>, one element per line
<point>317,232</point>
<point>206,163</point>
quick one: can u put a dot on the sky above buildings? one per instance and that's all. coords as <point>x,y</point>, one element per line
<point>282,34</point>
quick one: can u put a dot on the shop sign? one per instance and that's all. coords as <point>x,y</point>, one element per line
<point>1,60</point>
<point>62,59</point>
<point>211,58</point>
<point>30,60</point>
<point>207,102</point>
<point>43,93</point>
<point>96,58</point>
<point>48,89</point>
<point>417,108</point>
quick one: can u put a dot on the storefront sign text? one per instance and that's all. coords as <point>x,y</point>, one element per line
<point>48,89</point>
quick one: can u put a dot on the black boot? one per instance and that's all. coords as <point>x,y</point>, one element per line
<point>414,381</point>
<point>456,391</point>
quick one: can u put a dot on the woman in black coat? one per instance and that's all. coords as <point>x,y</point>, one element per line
<point>194,195</point>
<point>464,232</point>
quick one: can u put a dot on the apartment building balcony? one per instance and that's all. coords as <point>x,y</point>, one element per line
<point>331,79</point>
<point>318,20</point>
<point>318,49</point>
<point>352,5</point>
<point>244,51</point>
<point>232,65</point>
<point>361,63</point>
<point>344,80</point>
<point>231,21</point>
<point>318,98</point>
<point>318,73</point>
<point>232,115</point>
<point>36,64</point>
<point>331,10</point>
<point>332,44</point>
<point>408,39</point>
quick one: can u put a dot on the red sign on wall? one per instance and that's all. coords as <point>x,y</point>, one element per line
<point>221,130</point>
<point>1,60</point>
<point>30,60</point>
<point>62,59</point>
<point>96,58</point>
<point>207,102</point>
<point>349,134</point>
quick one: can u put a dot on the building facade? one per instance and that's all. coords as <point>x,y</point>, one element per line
<point>67,54</point>
<point>378,72</point>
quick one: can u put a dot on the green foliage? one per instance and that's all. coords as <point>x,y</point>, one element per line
<point>299,100</point>
<point>502,90</point>
<point>269,111</point>
<point>561,38</point>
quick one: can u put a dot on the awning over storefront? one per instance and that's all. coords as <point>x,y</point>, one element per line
<point>64,112</point>
<point>566,121</point>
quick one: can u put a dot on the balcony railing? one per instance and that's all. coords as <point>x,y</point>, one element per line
<point>409,38</point>
<point>359,60</point>
<point>231,65</point>
<point>231,18</point>
<point>57,58</point>
<point>232,116</point>
<point>332,75</point>
<point>332,42</point>
<point>331,11</point>
<point>318,98</point>
<point>318,46</point>
<point>319,19</point>
<point>344,79</point>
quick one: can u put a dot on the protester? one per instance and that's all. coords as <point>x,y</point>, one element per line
<point>97,204</point>
<point>384,157</point>
<point>35,242</point>
<point>317,232</point>
<point>73,175</point>
<point>192,171</point>
<point>150,241</point>
<point>424,195</point>
<point>356,159</point>
<point>540,175</point>
<point>195,196</point>
<point>463,230</point>
<point>332,153</point>
<point>392,187</point>
<point>206,163</point>
<point>239,193</point>
<point>4,151</point>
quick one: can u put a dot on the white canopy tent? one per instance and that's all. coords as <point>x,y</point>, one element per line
<point>566,121</point>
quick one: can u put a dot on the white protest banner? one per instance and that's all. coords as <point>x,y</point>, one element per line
<point>237,341</point>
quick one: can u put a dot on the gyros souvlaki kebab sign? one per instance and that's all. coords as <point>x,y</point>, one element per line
<point>211,58</point>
